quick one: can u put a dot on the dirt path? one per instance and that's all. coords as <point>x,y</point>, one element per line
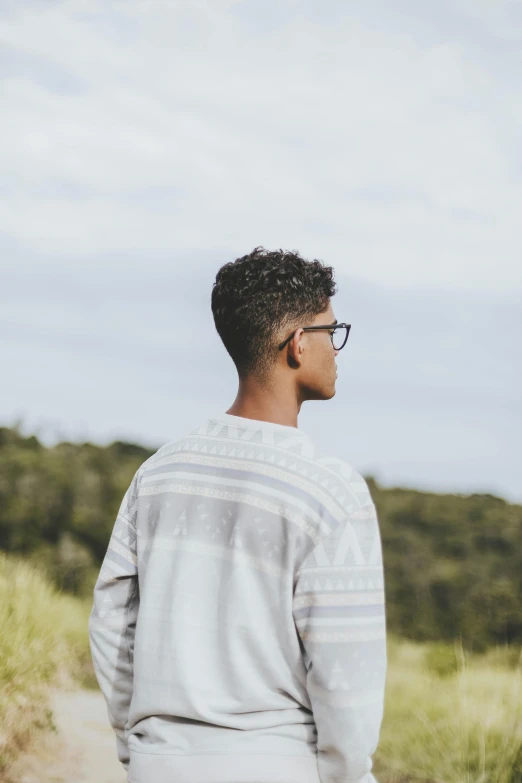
<point>82,751</point>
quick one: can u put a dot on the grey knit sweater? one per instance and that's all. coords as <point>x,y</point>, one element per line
<point>238,631</point>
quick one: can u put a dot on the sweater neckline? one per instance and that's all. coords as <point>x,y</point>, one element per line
<point>257,424</point>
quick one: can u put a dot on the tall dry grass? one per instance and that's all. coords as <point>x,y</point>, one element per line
<point>451,717</point>
<point>43,640</point>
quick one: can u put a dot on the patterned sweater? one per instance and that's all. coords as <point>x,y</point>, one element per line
<point>238,631</point>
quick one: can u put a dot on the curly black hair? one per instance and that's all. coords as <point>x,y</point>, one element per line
<point>258,299</point>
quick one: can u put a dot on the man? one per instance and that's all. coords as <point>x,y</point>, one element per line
<point>238,630</point>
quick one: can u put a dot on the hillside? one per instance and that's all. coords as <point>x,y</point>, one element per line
<point>453,562</point>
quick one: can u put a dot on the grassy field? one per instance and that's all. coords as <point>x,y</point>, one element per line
<point>43,640</point>
<point>449,717</point>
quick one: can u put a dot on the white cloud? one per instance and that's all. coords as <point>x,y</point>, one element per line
<point>184,125</point>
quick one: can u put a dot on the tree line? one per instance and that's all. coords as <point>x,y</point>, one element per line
<point>452,562</point>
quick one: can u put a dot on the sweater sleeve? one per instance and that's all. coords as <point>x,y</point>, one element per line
<point>339,613</point>
<point>113,618</point>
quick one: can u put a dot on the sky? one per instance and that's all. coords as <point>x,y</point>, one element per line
<point>143,145</point>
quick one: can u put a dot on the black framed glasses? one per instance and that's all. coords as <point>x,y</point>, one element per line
<point>339,335</point>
